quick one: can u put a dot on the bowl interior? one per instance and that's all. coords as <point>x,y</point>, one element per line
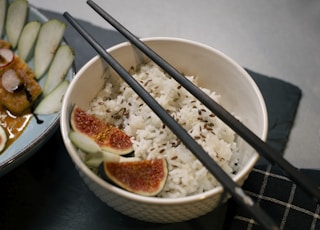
<point>215,70</point>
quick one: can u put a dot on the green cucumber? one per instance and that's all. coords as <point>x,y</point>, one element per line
<point>3,11</point>
<point>28,39</point>
<point>83,142</point>
<point>49,39</point>
<point>53,101</point>
<point>58,69</point>
<point>94,154</point>
<point>15,21</point>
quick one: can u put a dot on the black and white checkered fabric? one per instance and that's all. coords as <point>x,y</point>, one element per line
<point>285,202</point>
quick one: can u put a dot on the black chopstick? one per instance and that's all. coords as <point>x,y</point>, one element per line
<point>260,146</point>
<point>229,185</point>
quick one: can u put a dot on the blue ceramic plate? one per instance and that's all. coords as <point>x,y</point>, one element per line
<point>35,135</point>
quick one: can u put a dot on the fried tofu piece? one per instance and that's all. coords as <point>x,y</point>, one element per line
<point>21,101</point>
<point>4,44</point>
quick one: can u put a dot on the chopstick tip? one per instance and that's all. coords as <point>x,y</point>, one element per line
<point>66,13</point>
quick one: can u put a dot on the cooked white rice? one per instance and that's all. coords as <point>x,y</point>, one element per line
<point>117,103</point>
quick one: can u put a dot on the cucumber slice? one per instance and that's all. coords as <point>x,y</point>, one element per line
<point>58,69</point>
<point>15,21</point>
<point>28,39</point>
<point>3,138</point>
<point>94,155</point>
<point>49,38</point>
<point>52,102</point>
<point>3,11</point>
<point>83,142</point>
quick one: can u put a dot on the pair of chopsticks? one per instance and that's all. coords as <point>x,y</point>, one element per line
<point>260,146</point>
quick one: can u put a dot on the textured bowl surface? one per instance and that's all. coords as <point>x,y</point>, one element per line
<point>217,72</point>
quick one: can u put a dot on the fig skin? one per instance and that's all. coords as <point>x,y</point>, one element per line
<point>108,137</point>
<point>144,177</point>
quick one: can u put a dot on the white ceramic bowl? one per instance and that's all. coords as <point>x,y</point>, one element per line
<point>217,72</point>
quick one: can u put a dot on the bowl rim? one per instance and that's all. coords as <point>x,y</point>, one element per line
<point>158,200</point>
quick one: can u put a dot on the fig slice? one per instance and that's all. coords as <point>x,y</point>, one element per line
<point>108,137</point>
<point>144,177</point>
<point>6,57</point>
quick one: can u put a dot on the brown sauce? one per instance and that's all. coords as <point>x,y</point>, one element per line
<point>13,125</point>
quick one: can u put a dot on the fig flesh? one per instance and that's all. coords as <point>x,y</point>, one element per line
<point>144,177</point>
<point>108,137</point>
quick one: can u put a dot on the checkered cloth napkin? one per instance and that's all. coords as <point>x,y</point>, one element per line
<point>289,207</point>
<point>286,203</point>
